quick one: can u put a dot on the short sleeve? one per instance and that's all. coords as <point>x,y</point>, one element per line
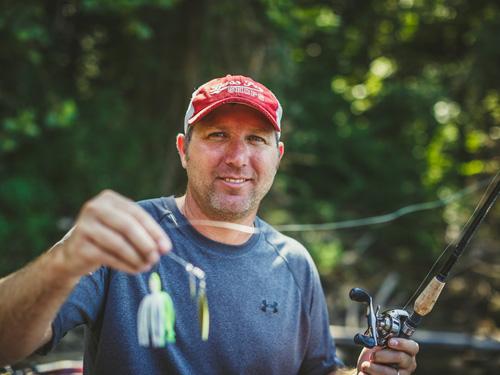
<point>83,306</point>
<point>321,355</point>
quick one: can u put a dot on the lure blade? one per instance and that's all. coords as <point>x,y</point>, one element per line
<point>156,316</point>
<point>203,313</point>
<point>192,286</point>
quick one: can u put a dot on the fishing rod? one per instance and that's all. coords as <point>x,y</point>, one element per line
<point>399,322</point>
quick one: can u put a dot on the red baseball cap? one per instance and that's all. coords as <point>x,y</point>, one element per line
<point>233,89</point>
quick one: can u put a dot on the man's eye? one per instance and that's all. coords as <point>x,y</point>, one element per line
<point>217,135</point>
<point>256,139</point>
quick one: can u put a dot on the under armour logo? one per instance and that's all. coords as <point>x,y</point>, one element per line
<point>272,307</point>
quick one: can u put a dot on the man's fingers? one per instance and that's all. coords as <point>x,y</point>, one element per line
<point>401,353</point>
<point>124,223</point>
<point>117,246</point>
<point>110,260</point>
<point>152,227</point>
<point>408,346</point>
<point>386,356</point>
<point>146,222</point>
<point>371,368</point>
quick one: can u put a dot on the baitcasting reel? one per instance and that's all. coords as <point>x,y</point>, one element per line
<point>381,326</point>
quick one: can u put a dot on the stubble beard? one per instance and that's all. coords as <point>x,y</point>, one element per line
<point>219,206</point>
<point>226,210</point>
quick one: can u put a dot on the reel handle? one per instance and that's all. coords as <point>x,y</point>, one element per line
<point>362,296</point>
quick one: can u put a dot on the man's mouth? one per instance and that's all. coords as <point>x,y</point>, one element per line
<point>234,180</point>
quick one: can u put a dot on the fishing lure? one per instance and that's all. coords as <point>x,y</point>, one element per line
<point>156,314</point>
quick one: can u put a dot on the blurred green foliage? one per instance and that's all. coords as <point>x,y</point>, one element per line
<point>387,103</point>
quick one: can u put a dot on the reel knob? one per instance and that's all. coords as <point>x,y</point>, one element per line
<point>359,295</point>
<point>366,341</point>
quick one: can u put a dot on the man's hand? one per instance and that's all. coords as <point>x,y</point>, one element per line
<point>111,230</point>
<point>114,231</point>
<point>398,359</point>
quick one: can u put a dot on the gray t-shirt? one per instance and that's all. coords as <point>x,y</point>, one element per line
<point>267,310</point>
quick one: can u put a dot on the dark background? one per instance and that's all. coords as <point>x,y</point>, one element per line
<point>386,104</point>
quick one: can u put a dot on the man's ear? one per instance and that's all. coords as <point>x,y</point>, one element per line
<point>180,142</point>
<point>281,149</point>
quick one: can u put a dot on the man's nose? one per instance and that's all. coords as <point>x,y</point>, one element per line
<point>236,153</point>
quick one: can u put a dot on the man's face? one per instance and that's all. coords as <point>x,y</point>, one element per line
<point>231,160</point>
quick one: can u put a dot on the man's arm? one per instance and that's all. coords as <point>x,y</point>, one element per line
<point>110,230</point>
<point>30,300</point>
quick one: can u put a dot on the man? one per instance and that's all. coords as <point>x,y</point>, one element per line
<point>267,310</point>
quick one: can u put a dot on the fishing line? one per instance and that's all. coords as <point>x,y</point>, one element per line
<point>346,224</point>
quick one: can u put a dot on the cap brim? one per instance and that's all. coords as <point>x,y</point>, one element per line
<point>243,101</point>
